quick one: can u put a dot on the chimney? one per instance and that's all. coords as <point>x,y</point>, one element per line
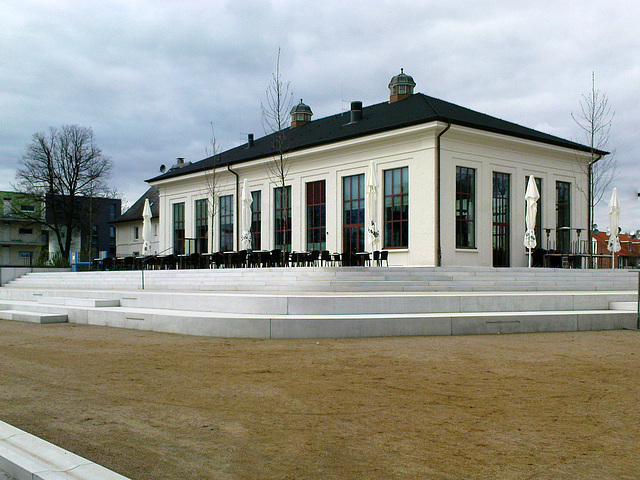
<point>356,112</point>
<point>180,161</point>
<point>250,142</point>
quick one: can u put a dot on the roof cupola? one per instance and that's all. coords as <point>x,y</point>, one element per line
<point>300,114</point>
<point>401,86</point>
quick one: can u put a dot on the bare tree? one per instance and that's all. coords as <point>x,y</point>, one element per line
<point>65,170</point>
<point>275,116</point>
<point>595,119</point>
<point>211,181</point>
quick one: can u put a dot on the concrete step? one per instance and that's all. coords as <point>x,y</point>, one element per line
<point>299,324</point>
<point>323,302</point>
<point>33,317</point>
<point>628,306</point>
<point>26,457</point>
<point>335,302</point>
<point>357,325</point>
<point>337,286</point>
<point>80,302</point>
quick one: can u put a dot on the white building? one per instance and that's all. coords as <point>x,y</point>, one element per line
<point>128,226</point>
<point>450,186</point>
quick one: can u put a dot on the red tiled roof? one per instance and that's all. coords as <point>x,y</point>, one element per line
<point>630,247</point>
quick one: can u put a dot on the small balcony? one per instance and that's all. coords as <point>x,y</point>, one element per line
<point>35,241</point>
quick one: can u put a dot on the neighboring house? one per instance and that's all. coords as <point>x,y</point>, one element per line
<point>95,232</point>
<point>22,239</point>
<point>451,184</point>
<point>627,257</point>
<point>129,226</point>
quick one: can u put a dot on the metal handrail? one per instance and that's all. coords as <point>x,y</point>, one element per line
<point>638,309</point>
<point>146,259</point>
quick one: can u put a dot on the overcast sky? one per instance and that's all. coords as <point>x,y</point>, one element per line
<point>150,77</point>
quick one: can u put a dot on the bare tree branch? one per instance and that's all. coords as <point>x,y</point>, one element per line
<point>211,182</point>
<point>58,168</point>
<point>595,120</point>
<point>275,116</point>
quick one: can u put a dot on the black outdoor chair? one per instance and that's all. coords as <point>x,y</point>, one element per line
<point>150,262</point>
<point>363,259</point>
<point>384,257</point>
<point>325,258</point>
<point>194,260</point>
<point>313,258</point>
<point>239,259</point>
<point>537,257</point>
<point>275,258</point>
<point>264,259</point>
<point>169,261</point>
<point>299,259</point>
<point>349,259</point>
<point>253,259</point>
<point>128,263</point>
<point>216,260</point>
<point>108,263</point>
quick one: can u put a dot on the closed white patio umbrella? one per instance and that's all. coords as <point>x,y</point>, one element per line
<point>371,197</point>
<point>147,230</point>
<point>245,217</point>
<point>614,224</point>
<point>531,199</point>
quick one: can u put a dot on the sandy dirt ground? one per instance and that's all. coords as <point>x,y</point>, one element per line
<point>158,406</point>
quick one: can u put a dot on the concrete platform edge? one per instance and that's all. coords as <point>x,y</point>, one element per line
<point>26,457</point>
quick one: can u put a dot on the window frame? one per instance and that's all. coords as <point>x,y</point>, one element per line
<point>225,223</point>
<point>353,207</point>
<point>256,219</point>
<point>396,221</point>
<point>316,215</point>
<point>563,217</point>
<point>178,228</point>
<point>201,224</point>
<point>501,218</point>
<point>282,218</point>
<point>465,208</point>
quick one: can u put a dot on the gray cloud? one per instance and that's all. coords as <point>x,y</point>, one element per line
<point>150,77</point>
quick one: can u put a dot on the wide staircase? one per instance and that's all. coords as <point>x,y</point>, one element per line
<point>320,302</point>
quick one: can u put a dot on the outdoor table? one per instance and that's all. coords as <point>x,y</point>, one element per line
<point>299,258</point>
<point>208,258</point>
<point>138,263</point>
<point>258,258</point>
<point>229,258</point>
<point>362,258</point>
<point>182,260</point>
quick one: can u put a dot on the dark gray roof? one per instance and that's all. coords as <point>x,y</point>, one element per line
<point>134,213</point>
<point>413,110</point>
